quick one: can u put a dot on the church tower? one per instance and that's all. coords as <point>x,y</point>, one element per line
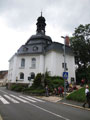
<point>41,24</point>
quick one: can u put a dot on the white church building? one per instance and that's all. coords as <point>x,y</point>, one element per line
<point>38,55</point>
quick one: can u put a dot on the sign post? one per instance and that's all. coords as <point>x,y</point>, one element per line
<point>65,75</point>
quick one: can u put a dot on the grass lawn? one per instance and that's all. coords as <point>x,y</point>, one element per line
<point>78,95</point>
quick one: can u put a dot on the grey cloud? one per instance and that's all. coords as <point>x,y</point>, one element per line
<point>69,14</point>
<point>19,13</point>
<point>66,14</point>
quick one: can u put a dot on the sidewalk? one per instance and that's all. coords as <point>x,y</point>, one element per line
<point>51,98</point>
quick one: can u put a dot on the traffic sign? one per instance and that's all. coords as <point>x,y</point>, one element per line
<point>65,75</point>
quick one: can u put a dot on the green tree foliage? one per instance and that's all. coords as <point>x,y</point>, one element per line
<point>80,43</point>
<point>52,82</point>
<point>46,78</point>
<point>37,80</point>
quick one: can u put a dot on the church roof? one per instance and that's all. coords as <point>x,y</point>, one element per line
<point>41,43</point>
<point>39,49</point>
<point>55,46</point>
<point>39,38</point>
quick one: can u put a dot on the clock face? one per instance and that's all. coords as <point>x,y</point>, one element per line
<point>35,48</point>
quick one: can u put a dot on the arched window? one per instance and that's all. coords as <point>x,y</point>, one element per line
<point>33,63</point>
<point>32,75</point>
<point>22,62</point>
<point>21,75</point>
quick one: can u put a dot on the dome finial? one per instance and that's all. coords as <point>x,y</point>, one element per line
<point>41,13</point>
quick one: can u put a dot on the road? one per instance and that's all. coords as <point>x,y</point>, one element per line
<point>17,106</point>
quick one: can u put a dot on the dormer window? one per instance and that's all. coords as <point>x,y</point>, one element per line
<point>25,49</point>
<point>35,48</point>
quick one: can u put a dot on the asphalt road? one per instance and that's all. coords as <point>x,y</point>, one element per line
<point>17,106</point>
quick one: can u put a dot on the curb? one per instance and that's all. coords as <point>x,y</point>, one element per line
<point>76,106</point>
<point>64,103</point>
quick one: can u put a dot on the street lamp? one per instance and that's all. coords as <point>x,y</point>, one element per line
<point>64,66</point>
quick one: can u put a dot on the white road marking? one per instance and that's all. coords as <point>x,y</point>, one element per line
<point>27,99</point>
<point>19,98</point>
<point>11,99</point>
<point>35,99</point>
<point>49,111</point>
<point>6,102</point>
<point>3,100</point>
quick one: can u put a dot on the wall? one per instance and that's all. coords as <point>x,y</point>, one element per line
<point>15,67</point>
<point>51,62</point>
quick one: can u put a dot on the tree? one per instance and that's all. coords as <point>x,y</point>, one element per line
<point>80,43</point>
<point>37,80</point>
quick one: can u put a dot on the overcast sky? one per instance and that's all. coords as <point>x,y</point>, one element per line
<point>18,22</point>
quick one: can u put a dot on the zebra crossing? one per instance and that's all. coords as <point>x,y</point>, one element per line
<point>7,99</point>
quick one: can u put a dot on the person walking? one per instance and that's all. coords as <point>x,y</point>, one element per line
<point>67,85</point>
<point>82,82</point>
<point>46,91</point>
<point>87,94</point>
<point>55,91</point>
<point>60,91</point>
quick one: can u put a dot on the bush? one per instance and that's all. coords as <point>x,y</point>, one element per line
<point>58,82</point>
<point>18,87</point>
<point>36,91</point>
<point>37,87</point>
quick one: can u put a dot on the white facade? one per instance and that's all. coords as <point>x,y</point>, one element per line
<point>52,62</point>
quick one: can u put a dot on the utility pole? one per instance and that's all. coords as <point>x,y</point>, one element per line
<point>64,66</point>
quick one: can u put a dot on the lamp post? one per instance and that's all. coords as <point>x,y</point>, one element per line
<point>64,66</point>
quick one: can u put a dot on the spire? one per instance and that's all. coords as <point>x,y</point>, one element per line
<point>41,13</point>
<point>41,24</point>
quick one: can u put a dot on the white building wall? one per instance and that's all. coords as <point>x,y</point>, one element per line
<point>53,63</point>
<point>27,70</point>
<point>41,64</point>
<point>11,71</point>
<point>15,68</point>
<point>48,64</point>
<point>71,67</point>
